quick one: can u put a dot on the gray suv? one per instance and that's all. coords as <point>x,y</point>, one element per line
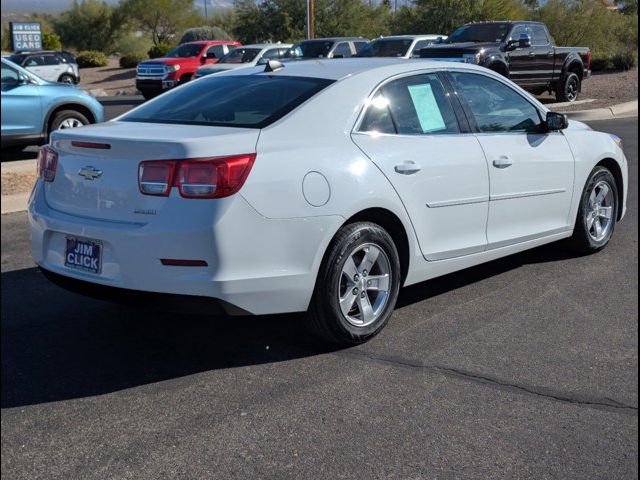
<point>49,65</point>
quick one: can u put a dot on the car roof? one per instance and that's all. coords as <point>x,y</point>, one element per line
<point>267,45</point>
<point>209,42</point>
<point>336,70</point>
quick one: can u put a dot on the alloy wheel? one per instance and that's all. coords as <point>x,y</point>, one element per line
<point>364,285</point>
<point>600,211</point>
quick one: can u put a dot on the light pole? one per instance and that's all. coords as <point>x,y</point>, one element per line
<point>205,12</point>
<point>310,19</point>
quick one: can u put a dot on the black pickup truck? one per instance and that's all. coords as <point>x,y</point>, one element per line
<point>522,51</point>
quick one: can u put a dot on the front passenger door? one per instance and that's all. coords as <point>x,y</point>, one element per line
<point>412,133</point>
<point>21,105</point>
<point>531,169</point>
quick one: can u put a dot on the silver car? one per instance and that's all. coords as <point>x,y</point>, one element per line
<point>52,66</point>
<point>246,56</point>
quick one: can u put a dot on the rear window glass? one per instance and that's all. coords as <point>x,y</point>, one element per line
<point>251,101</point>
<point>386,48</point>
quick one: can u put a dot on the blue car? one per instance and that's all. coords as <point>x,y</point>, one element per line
<point>32,107</point>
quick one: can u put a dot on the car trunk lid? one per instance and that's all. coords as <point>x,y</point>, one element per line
<point>97,171</point>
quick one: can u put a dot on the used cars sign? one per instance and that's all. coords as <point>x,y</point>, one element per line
<point>26,36</point>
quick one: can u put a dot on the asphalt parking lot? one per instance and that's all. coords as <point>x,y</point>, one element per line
<point>526,367</point>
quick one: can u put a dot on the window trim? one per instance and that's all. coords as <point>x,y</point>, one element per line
<point>471,116</point>
<point>463,127</point>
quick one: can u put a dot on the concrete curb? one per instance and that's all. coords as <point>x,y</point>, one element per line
<point>14,203</point>
<point>627,109</point>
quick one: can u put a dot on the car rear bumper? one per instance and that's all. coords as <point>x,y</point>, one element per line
<point>255,264</point>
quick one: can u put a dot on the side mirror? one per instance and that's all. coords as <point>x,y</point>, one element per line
<point>523,41</point>
<point>440,40</point>
<point>556,121</point>
<point>203,58</point>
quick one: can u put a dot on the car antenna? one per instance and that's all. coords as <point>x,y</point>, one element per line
<point>273,66</point>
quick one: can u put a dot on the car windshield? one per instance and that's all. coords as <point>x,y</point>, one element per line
<point>386,48</point>
<point>240,55</point>
<point>310,49</point>
<point>480,33</point>
<point>247,101</point>
<point>185,51</point>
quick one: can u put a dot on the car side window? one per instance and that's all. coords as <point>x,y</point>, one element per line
<point>272,54</point>
<point>539,36</point>
<point>34,61</point>
<point>519,30</point>
<point>9,76</point>
<point>217,51</point>
<point>51,60</point>
<point>342,50</point>
<point>415,105</point>
<point>497,107</point>
<point>359,45</point>
<point>420,45</point>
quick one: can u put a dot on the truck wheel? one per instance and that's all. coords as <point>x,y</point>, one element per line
<point>357,286</point>
<point>148,95</point>
<point>569,88</point>
<point>597,213</point>
<point>185,78</point>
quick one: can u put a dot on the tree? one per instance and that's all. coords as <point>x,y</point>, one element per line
<point>89,25</point>
<point>162,19</point>
<point>204,33</point>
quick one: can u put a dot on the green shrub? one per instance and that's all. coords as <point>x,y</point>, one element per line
<point>91,58</point>
<point>204,33</point>
<point>51,41</point>
<point>131,60</point>
<point>600,63</point>
<point>160,50</point>
<point>624,60</point>
<point>133,44</point>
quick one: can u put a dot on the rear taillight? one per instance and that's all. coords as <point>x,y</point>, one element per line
<point>589,59</point>
<point>156,177</point>
<point>47,163</point>
<point>195,178</point>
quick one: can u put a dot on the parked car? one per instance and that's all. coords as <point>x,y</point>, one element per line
<point>525,52</point>
<point>161,74</point>
<point>337,47</point>
<point>401,46</point>
<point>49,65</point>
<point>322,186</point>
<point>32,108</point>
<point>246,56</point>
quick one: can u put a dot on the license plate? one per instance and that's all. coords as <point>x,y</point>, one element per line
<point>83,254</point>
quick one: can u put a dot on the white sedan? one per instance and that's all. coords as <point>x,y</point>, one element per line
<point>319,186</point>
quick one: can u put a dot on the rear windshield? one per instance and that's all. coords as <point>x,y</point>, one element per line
<point>386,48</point>
<point>247,101</point>
<point>480,33</point>
<point>240,55</point>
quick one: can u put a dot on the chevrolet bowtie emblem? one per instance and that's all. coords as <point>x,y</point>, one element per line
<point>89,172</point>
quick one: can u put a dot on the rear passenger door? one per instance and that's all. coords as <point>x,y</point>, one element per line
<point>543,60</point>
<point>414,134</point>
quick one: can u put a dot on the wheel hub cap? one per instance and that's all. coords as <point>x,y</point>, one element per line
<point>599,216</point>
<point>364,286</point>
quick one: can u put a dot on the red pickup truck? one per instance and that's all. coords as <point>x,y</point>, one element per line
<point>155,76</point>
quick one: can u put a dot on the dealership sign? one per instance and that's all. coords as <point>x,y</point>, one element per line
<point>26,36</point>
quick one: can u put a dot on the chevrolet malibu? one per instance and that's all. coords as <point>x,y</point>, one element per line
<point>319,186</point>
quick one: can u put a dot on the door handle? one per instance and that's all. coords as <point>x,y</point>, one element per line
<point>502,162</point>
<point>407,168</point>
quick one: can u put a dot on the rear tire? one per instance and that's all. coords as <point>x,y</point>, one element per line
<point>148,95</point>
<point>597,214</point>
<point>569,88</point>
<point>357,286</point>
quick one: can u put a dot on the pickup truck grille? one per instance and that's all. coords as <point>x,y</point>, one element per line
<point>151,70</point>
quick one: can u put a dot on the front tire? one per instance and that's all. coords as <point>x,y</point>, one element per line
<point>68,79</point>
<point>569,88</point>
<point>357,286</point>
<point>68,119</point>
<point>597,214</point>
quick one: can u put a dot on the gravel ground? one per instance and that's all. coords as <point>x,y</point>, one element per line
<point>112,79</point>
<point>607,89</point>
<point>17,182</point>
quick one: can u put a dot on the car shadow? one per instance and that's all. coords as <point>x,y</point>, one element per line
<point>13,154</point>
<point>57,345</point>
<point>126,75</point>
